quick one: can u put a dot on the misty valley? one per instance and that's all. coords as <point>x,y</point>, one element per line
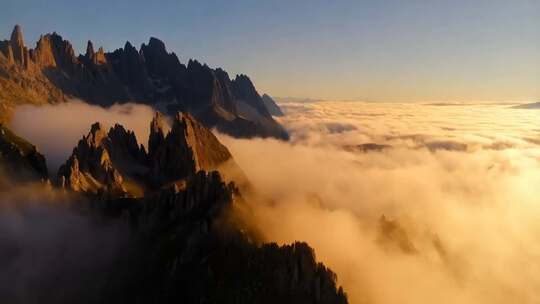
<point>133,173</point>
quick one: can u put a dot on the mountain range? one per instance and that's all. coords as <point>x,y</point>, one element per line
<point>188,242</point>
<point>181,197</point>
<point>51,73</point>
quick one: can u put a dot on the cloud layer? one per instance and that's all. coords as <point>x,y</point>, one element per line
<point>458,190</point>
<point>56,129</point>
<point>49,251</point>
<point>457,185</point>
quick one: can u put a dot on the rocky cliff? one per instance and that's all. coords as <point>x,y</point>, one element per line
<point>114,163</point>
<point>52,72</point>
<point>182,226</point>
<point>188,242</point>
<point>187,246</point>
<point>20,160</point>
<point>271,105</point>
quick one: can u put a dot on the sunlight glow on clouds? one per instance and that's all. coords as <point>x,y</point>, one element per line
<point>458,186</point>
<point>56,129</point>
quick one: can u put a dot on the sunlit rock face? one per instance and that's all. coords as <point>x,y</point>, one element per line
<point>115,163</point>
<point>99,158</point>
<point>190,241</point>
<point>188,147</point>
<point>52,73</point>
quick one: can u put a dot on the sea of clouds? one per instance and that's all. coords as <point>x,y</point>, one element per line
<point>458,185</point>
<point>441,206</point>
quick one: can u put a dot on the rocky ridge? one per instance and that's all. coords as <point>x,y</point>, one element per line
<point>114,163</point>
<point>20,159</point>
<point>189,244</point>
<point>188,239</point>
<point>271,105</point>
<point>52,73</point>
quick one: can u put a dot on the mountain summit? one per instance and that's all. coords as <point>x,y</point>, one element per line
<point>188,242</point>
<point>52,73</point>
<point>114,163</point>
<point>183,235</point>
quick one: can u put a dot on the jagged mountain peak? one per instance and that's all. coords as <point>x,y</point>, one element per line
<point>157,43</point>
<point>271,105</point>
<point>89,50</point>
<point>171,196</point>
<point>53,73</point>
<point>157,133</point>
<point>99,57</point>
<point>158,122</point>
<point>93,57</point>
<point>17,38</point>
<point>96,135</point>
<point>245,87</point>
<point>107,160</point>
<point>19,51</point>
<point>128,46</point>
<point>181,119</point>
<point>189,147</point>
<point>195,64</point>
<point>242,77</point>
<point>20,159</point>
<point>95,127</point>
<point>198,251</point>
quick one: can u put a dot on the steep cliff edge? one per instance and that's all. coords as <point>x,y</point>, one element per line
<point>114,163</point>
<point>20,160</point>
<point>189,248</point>
<point>271,105</point>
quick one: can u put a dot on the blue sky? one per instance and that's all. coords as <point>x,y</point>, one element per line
<point>380,50</point>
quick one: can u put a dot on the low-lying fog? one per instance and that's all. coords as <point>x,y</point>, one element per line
<point>56,129</point>
<point>458,185</point>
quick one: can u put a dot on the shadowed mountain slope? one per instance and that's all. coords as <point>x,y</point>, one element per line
<point>189,242</point>
<point>19,159</point>
<point>271,105</point>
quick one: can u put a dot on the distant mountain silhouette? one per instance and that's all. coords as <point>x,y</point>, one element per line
<point>52,73</point>
<point>534,105</point>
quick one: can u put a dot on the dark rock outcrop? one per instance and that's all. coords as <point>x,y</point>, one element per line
<point>188,249</point>
<point>188,242</point>
<point>188,147</point>
<point>393,236</point>
<point>103,161</point>
<point>20,160</point>
<point>271,105</point>
<point>534,105</point>
<point>367,147</point>
<point>51,72</point>
<point>115,164</point>
<point>245,91</point>
<point>17,46</point>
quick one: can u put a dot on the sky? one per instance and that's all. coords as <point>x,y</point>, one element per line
<point>395,51</point>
